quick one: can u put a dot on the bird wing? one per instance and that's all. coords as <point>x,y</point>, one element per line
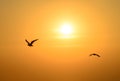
<point>26,41</point>
<point>97,55</point>
<point>91,54</point>
<point>33,41</point>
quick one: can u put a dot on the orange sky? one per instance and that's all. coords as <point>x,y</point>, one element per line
<point>54,57</point>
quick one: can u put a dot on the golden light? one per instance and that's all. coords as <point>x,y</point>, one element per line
<point>66,29</point>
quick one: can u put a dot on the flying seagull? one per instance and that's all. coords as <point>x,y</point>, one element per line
<point>94,54</point>
<point>31,43</point>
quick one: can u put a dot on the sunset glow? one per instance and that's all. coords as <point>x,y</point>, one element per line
<point>60,40</point>
<point>66,29</point>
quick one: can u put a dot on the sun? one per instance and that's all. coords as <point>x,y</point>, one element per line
<point>66,29</point>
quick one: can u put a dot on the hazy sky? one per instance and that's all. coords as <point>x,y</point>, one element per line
<point>57,57</point>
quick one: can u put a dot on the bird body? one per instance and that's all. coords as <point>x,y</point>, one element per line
<point>30,43</point>
<point>95,55</point>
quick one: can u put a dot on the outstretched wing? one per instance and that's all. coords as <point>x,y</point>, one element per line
<point>91,54</point>
<point>33,41</point>
<point>97,55</point>
<point>26,41</point>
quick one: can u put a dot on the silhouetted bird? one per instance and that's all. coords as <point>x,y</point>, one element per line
<point>31,43</point>
<point>94,55</point>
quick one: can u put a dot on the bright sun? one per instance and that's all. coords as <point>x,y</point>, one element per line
<point>66,29</point>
